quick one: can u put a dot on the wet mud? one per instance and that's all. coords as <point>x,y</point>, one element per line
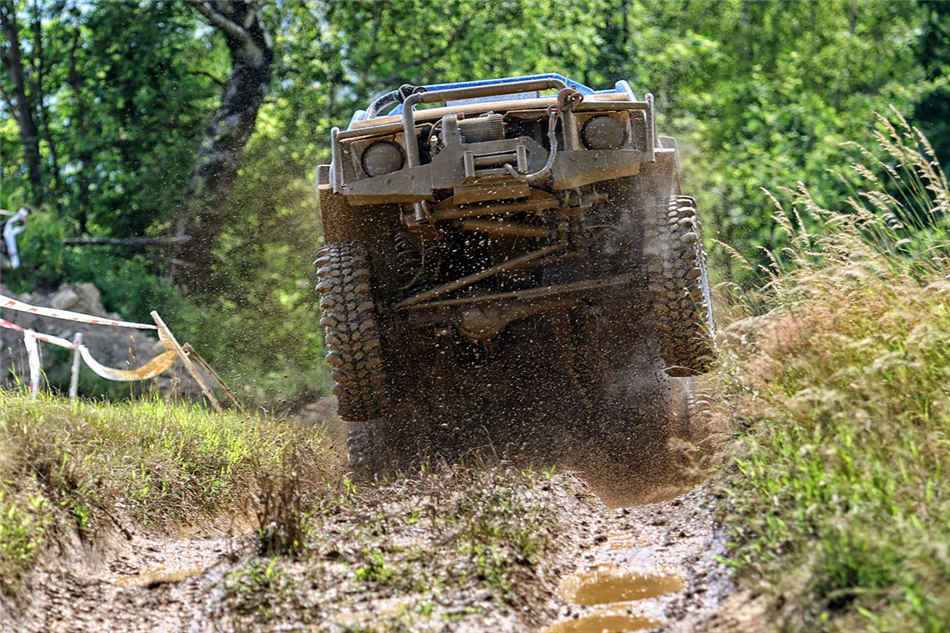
<point>137,584</point>
<point>652,567</point>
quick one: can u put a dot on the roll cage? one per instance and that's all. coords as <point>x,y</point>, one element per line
<point>486,89</point>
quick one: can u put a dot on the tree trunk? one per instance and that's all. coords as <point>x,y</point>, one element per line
<point>84,155</point>
<point>20,103</point>
<point>38,72</point>
<point>205,211</point>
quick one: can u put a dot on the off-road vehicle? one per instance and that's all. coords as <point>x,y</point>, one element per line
<point>510,249</point>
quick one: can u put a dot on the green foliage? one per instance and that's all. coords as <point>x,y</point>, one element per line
<point>758,94</point>
<point>838,496</point>
<point>42,253</point>
<point>932,108</point>
<point>375,569</point>
<point>259,587</point>
<point>762,100</point>
<point>24,520</point>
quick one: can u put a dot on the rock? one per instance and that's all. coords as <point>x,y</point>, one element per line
<point>64,299</point>
<point>90,299</point>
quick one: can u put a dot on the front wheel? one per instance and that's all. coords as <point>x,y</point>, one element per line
<point>351,335</point>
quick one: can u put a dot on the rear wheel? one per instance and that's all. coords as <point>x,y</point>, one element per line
<point>350,331</point>
<point>679,287</point>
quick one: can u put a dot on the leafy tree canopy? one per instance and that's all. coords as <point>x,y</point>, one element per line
<point>759,94</point>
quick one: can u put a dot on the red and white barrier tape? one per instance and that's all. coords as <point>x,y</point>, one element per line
<point>151,369</point>
<point>155,367</point>
<point>66,315</point>
<point>47,338</point>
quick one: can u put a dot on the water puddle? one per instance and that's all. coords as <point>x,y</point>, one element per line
<point>615,591</point>
<point>157,576</point>
<point>613,620</point>
<point>607,584</point>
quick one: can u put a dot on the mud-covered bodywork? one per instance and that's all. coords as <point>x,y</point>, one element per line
<point>470,208</point>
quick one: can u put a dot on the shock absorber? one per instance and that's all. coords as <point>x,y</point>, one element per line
<point>409,260</point>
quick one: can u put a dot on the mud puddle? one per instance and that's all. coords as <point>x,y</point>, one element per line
<point>618,592</point>
<point>610,583</point>
<point>620,589</point>
<point>612,620</point>
<point>652,567</point>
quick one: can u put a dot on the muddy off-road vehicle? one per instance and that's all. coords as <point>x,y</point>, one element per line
<point>503,252</point>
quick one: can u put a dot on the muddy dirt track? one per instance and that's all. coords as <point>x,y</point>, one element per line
<point>650,567</point>
<point>647,563</point>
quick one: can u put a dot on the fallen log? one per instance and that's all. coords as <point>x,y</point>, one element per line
<point>128,242</point>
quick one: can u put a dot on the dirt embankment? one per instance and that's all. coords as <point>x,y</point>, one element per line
<point>453,548</point>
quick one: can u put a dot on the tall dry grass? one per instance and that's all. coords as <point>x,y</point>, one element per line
<point>840,490</point>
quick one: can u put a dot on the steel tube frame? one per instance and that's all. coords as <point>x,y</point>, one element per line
<point>543,292</point>
<point>386,128</point>
<point>473,92</point>
<point>589,106</point>
<point>494,227</point>
<point>509,264</point>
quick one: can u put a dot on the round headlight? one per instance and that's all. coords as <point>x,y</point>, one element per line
<point>382,157</point>
<point>603,132</point>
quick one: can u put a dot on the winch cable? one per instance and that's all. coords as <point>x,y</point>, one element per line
<point>567,98</point>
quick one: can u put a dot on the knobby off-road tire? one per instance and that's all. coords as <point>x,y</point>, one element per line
<point>679,287</point>
<point>351,335</point>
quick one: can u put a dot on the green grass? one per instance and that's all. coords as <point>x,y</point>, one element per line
<point>839,495</point>
<point>259,587</point>
<point>66,466</point>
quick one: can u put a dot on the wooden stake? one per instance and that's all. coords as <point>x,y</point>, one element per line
<point>187,361</point>
<point>193,353</point>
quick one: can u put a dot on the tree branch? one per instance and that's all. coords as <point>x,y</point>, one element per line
<point>220,21</point>
<point>204,73</point>
<point>129,242</point>
<point>8,99</point>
